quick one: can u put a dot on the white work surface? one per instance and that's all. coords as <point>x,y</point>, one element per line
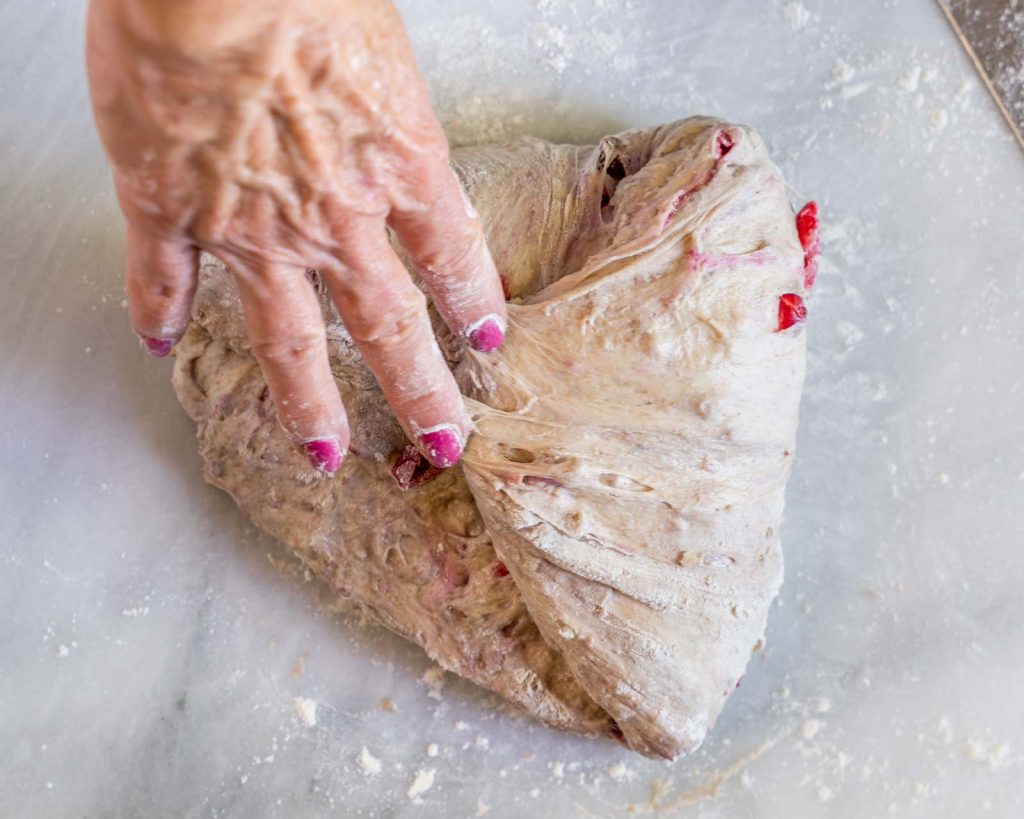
<point>153,644</point>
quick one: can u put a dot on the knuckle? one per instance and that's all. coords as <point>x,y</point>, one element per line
<point>289,351</point>
<point>162,298</point>
<point>436,393</point>
<point>392,327</point>
<point>159,310</point>
<point>427,167</point>
<point>460,257</point>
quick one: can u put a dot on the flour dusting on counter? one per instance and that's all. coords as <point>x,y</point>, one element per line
<point>897,631</point>
<point>421,783</point>
<point>306,710</point>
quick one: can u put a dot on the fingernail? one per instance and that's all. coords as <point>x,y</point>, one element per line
<point>442,445</point>
<point>158,347</point>
<point>486,334</point>
<point>324,454</point>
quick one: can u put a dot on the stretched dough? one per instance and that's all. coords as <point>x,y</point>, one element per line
<point>606,552</point>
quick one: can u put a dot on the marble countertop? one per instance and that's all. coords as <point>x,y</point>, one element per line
<point>159,657</point>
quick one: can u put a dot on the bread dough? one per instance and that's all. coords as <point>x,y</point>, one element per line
<point>605,554</point>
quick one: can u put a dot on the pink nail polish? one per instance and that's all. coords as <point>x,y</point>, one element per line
<point>442,445</point>
<point>486,335</point>
<point>158,347</point>
<point>324,454</point>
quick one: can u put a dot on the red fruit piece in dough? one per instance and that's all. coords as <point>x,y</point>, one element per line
<point>723,144</point>
<point>807,225</point>
<point>791,311</point>
<point>500,569</point>
<point>411,468</point>
<point>810,271</point>
<point>807,230</point>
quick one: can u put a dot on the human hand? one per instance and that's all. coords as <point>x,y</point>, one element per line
<point>281,137</point>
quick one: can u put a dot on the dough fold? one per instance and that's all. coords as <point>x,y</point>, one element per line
<point>606,553</point>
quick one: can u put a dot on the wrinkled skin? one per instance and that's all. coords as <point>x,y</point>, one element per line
<point>282,137</point>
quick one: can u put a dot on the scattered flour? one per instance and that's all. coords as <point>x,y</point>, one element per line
<point>849,333</point>
<point>306,710</point>
<point>848,92</point>
<point>421,783</point>
<point>553,43</point>
<point>368,762</point>
<point>810,729</point>
<point>620,772</point>
<point>910,79</point>
<point>995,755</point>
<point>434,680</point>
<point>843,72</point>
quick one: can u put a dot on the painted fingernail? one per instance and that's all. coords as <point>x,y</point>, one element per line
<point>442,445</point>
<point>324,454</point>
<point>158,347</point>
<point>486,335</point>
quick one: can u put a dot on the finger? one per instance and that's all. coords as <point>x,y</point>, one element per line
<point>447,247</point>
<point>386,315</point>
<point>161,277</point>
<point>286,331</point>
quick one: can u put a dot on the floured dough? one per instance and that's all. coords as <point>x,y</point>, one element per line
<point>606,552</point>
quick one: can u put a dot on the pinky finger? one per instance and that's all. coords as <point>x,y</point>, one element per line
<point>161,279</point>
